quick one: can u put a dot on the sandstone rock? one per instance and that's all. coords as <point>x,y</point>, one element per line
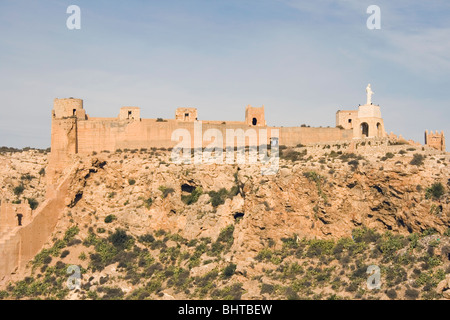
<point>444,287</point>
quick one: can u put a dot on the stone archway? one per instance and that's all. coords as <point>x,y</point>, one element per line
<point>379,130</point>
<point>364,130</point>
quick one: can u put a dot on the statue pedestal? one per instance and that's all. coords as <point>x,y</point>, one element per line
<point>369,111</point>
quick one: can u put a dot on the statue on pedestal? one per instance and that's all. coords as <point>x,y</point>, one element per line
<point>369,94</point>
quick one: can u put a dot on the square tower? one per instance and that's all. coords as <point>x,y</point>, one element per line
<point>255,116</point>
<point>186,114</point>
<point>130,113</point>
<point>435,140</point>
<point>346,118</point>
<point>68,108</point>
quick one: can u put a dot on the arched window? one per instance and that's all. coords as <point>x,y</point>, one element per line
<point>254,121</point>
<point>379,130</point>
<point>364,130</point>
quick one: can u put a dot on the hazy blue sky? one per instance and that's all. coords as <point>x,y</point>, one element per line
<point>303,60</point>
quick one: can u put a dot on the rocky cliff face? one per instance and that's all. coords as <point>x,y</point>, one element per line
<point>320,192</point>
<point>318,196</point>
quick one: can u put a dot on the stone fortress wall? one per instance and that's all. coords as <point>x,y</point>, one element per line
<point>74,131</point>
<point>23,232</point>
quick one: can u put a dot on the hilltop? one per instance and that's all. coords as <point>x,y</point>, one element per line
<point>143,227</point>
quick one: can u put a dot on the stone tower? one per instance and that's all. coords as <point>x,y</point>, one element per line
<point>130,113</point>
<point>68,108</point>
<point>65,114</point>
<point>368,122</point>
<point>435,140</point>
<point>186,114</point>
<point>255,116</point>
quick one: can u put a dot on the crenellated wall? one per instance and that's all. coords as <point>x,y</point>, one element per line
<point>435,140</point>
<point>128,131</point>
<point>19,244</point>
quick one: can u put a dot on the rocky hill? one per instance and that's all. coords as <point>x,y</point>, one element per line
<point>142,227</point>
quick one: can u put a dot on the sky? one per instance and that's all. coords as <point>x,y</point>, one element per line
<point>302,60</point>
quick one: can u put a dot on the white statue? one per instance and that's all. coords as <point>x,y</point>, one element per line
<point>369,94</point>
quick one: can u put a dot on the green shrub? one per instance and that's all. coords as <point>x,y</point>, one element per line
<point>436,191</point>
<point>3,294</point>
<point>233,292</point>
<point>110,218</point>
<point>19,190</point>
<point>391,293</point>
<point>390,244</point>
<point>111,293</point>
<point>318,247</point>
<point>71,233</point>
<point>365,235</point>
<point>229,270</point>
<point>120,239</point>
<point>166,191</point>
<point>417,159</point>
<point>411,294</point>
<point>64,254</point>
<point>131,181</point>
<point>267,288</point>
<point>353,163</point>
<point>290,243</point>
<point>111,195</point>
<point>148,203</point>
<point>224,241</point>
<point>33,203</point>
<point>219,197</point>
<point>47,260</point>
<point>264,254</point>
<point>146,238</point>
<point>292,155</point>
<point>192,197</point>
<point>27,177</point>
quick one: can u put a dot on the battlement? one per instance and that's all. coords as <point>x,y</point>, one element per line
<point>74,132</point>
<point>435,140</point>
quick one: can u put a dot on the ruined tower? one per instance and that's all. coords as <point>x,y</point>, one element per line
<point>435,140</point>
